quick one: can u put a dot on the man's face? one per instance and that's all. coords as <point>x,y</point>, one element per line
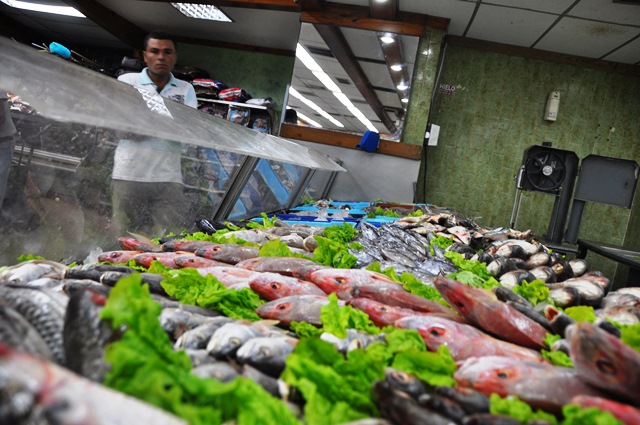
<point>160,56</point>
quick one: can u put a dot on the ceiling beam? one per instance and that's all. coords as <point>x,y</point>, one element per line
<point>109,20</point>
<point>339,46</point>
<point>278,5</point>
<point>359,17</point>
<point>384,10</point>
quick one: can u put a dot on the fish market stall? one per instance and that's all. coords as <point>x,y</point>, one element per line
<point>393,314</point>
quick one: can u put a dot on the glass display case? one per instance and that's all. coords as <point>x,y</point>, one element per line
<point>69,120</point>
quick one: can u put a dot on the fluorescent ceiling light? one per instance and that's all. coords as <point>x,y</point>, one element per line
<point>312,65</point>
<point>396,67</point>
<point>355,111</point>
<point>308,120</point>
<point>327,81</point>
<point>306,59</point>
<point>45,8</point>
<point>386,39</point>
<point>293,92</point>
<point>404,100</point>
<point>202,11</point>
<point>402,86</point>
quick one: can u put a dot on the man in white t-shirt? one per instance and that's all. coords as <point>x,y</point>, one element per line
<point>7,142</point>
<point>147,190</point>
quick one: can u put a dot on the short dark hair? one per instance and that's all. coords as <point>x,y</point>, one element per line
<point>159,35</point>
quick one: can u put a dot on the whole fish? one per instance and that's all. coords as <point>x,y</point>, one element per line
<point>95,271</point>
<point>65,398</point>
<point>399,297</point>
<point>629,415</point>
<point>27,271</point>
<point>43,311</point>
<point>381,314</point>
<point>470,400</point>
<point>353,341</point>
<point>229,275</point>
<point>228,253</point>
<point>463,341</point>
<point>590,292</point>
<point>86,335</point>
<point>153,280</point>
<point>199,357</point>
<point>198,337</point>
<point>134,244</point>
<point>541,385</point>
<point>481,308</point>
<point>266,354</point>
<point>345,283</point>
<point>295,308</point>
<point>624,314</point>
<point>272,286</point>
<point>195,261</point>
<point>226,341</point>
<point>401,408</point>
<point>185,245</point>
<point>118,257</point>
<point>166,258</point>
<point>17,332</point>
<point>282,265</point>
<point>176,321</point>
<point>304,272</point>
<point>257,236</point>
<point>219,370</point>
<point>604,361</point>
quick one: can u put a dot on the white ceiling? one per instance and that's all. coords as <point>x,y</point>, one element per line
<point>594,29</point>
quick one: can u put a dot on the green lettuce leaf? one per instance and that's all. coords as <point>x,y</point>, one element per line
<point>514,407</point>
<point>336,320</point>
<point>581,313</point>
<point>190,287</point>
<point>576,415</point>
<point>144,365</point>
<point>333,253</point>
<point>434,368</point>
<point>275,248</point>
<point>535,292</point>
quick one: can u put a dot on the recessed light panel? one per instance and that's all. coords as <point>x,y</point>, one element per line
<point>202,11</point>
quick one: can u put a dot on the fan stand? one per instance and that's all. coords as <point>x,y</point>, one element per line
<point>546,171</point>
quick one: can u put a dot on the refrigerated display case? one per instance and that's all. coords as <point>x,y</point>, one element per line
<point>70,120</point>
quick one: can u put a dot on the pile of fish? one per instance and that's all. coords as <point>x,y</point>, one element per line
<point>52,332</point>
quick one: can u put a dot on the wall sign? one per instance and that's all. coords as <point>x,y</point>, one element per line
<point>447,89</point>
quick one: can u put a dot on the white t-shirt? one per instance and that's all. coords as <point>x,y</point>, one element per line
<point>152,160</point>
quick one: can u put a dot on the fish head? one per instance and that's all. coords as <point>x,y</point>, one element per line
<point>489,374</point>
<point>599,357</point>
<point>461,297</point>
<point>332,280</point>
<point>280,309</point>
<point>268,285</point>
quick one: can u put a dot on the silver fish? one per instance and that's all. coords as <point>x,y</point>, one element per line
<point>176,321</point>
<point>267,354</point>
<point>17,332</point>
<point>44,312</point>
<point>219,370</point>
<point>199,336</point>
<point>230,337</point>
<point>65,398</point>
<point>27,271</point>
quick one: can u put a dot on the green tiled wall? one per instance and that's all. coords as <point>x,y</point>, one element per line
<point>260,74</point>
<point>496,112</point>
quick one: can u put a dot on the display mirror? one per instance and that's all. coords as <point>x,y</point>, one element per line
<point>352,80</point>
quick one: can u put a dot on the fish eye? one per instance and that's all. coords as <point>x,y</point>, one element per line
<point>340,280</point>
<point>282,306</point>
<point>462,305</point>
<point>437,331</point>
<point>606,366</point>
<point>234,341</point>
<point>216,248</point>
<point>382,308</point>
<point>502,373</point>
<point>275,285</point>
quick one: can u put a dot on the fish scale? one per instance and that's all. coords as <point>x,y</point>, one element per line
<point>42,312</point>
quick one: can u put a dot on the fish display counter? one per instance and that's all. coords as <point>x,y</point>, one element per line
<point>60,198</point>
<point>425,317</point>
